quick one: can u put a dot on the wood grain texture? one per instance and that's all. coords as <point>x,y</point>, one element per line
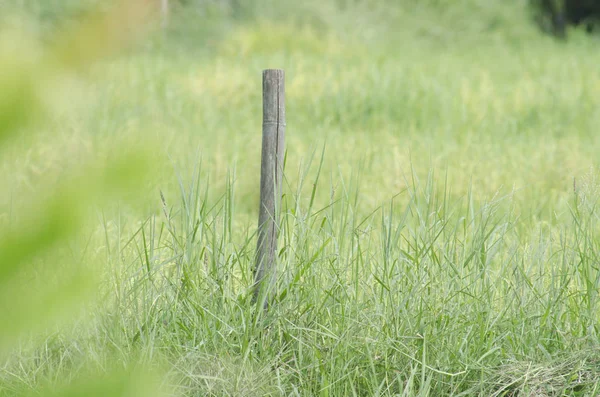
<point>271,175</point>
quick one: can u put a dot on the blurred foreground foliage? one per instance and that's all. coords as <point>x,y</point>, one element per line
<point>43,284</point>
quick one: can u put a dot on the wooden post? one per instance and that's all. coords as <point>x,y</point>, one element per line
<point>271,173</point>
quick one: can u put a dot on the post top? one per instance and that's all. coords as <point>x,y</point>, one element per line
<point>265,71</point>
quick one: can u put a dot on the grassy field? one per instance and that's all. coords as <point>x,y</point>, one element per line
<point>439,228</point>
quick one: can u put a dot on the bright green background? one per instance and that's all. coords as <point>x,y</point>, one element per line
<point>444,242</point>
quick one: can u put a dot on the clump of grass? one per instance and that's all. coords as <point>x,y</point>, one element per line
<point>438,296</point>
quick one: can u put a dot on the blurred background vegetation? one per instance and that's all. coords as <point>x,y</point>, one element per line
<point>459,167</point>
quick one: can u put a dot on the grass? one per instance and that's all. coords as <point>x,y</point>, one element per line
<point>439,227</point>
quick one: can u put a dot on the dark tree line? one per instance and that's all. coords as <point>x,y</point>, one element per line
<point>556,15</point>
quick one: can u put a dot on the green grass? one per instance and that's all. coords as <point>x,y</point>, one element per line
<point>439,230</point>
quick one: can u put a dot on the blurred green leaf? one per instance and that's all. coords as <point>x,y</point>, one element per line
<point>116,383</point>
<point>20,78</point>
<point>56,220</point>
<point>18,103</point>
<point>39,286</point>
<point>44,298</point>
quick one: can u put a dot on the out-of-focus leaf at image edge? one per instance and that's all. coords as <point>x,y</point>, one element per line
<point>113,383</point>
<point>27,302</point>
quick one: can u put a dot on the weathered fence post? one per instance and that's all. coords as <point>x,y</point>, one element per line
<point>271,173</point>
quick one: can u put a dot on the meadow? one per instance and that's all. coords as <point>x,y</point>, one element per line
<point>439,231</point>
